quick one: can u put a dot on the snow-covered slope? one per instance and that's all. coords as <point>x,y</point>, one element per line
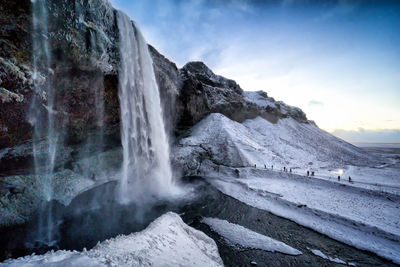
<point>288,143</point>
<point>367,220</point>
<point>167,241</point>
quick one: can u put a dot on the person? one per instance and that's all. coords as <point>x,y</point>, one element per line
<point>290,170</point>
<point>272,167</point>
<point>312,173</point>
<point>237,172</point>
<point>255,165</point>
<point>349,179</point>
<point>338,178</point>
<point>265,166</point>
<point>308,173</point>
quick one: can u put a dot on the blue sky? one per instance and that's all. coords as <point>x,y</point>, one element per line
<point>337,60</point>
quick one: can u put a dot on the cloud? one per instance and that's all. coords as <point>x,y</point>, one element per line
<point>315,103</point>
<point>369,136</point>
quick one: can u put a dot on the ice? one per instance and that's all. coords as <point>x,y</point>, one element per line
<point>239,235</point>
<point>322,255</point>
<point>167,241</point>
<point>362,234</point>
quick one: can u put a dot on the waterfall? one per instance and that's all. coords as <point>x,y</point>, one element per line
<point>146,166</point>
<point>42,116</point>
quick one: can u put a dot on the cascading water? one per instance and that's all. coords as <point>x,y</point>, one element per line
<point>45,135</point>
<point>146,166</point>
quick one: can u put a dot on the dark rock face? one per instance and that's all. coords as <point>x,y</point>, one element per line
<point>202,92</point>
<point>15,54</point>
<point>82,36</point>
<point>167,76</point>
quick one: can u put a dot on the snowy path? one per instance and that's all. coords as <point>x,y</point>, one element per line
<point>364,206</point>
<point>362,218</point>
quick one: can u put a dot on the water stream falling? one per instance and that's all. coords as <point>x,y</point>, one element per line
<point>43,120</point>
<point>146,166</point>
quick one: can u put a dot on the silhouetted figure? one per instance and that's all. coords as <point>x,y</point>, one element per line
<point>272,167</point>
<point>265,166</point>
<point>255,165</point>
<point>237,172</point>
<point>308,173</point>
<point>290,170</point>
<point>349,179</point>
<point>312,173</point>
<point>338,178</point>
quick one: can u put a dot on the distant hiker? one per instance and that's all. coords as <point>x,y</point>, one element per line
<point>312,173</point>
<point>255,165</point>
<point>308,173</point>
<point>237,172</point>
<point>290,170</point>
<point>338,178</point>
<point>265,166</point>
<point>349,179</point>
<point>272,167</point>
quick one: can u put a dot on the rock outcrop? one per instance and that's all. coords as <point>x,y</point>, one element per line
<point>202,92</point>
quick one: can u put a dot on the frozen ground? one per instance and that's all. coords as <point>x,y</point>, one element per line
<point>364,219</point>
<point>167,241</point>
<point>238,159</point>
<point>239,235</point>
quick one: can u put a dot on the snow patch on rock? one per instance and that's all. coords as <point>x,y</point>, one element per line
<point>239,235</point>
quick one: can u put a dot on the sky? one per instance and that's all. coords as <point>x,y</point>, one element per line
<point>339,61</point>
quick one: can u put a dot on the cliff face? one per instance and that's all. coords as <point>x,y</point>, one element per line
<point>83,39</point>
<point>202,92</point>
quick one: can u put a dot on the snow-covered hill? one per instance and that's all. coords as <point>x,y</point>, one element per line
<point>237,159</point>
<point>286,143</point>
<point>167,241</point>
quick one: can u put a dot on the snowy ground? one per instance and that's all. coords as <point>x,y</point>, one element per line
<point>364,213</point>
<point>239,235</point>
<point>167,241</point>
<point>364,219</point>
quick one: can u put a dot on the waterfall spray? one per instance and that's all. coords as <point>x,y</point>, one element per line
<point>45,136</point>
<point>146,166</point>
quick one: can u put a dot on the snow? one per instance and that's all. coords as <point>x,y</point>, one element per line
<point>287,199</point>
<point>363,206</point>
<point>239,235</point>
<point>322,255</point>
<point>167,241</point>
<point>259,98</point>
<point>287,143</point>
<point>364,213</point>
